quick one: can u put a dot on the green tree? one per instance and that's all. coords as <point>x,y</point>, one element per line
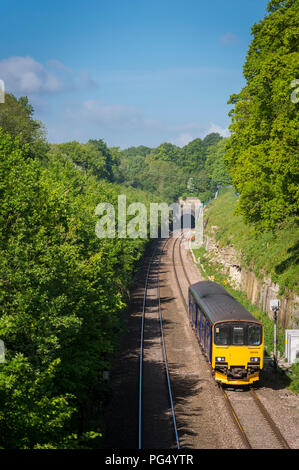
<point>93,157</point>
<point>215,165</point>
<point>16,117</point>
<point>169,153</point>
<point>62,296</point>
<point>103,151</point>
<point>194,158</point>
<point>262,153</point>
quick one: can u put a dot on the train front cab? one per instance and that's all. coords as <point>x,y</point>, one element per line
<point>237,357</point>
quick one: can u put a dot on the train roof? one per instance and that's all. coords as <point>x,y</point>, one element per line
<point>218,304</point>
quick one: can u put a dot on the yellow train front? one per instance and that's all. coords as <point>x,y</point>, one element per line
<point>230,337</point>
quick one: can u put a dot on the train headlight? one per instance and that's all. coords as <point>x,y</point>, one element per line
<point>220,359</point>
<point>254,359</point>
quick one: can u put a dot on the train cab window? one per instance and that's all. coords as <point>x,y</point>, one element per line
<point>238,335</point>
<point>221,334</point>
<point>254,335</point>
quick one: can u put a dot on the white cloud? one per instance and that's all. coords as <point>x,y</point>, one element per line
<point>228,38</point>
<point>184,139</point>
<point>92,111</point>
<point>224,132</point>
<point>85,81</point>
<point>25,75</point>
<point>119,119</point>
<point>56,64</point>
<point>190,131</point>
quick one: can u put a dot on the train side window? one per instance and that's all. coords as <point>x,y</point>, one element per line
<point>221,334</point>
<point>254,335</point>
<point>238,335</point>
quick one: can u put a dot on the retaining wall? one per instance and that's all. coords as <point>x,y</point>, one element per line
<point>260,291</point>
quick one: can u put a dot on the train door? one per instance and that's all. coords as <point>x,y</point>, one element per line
<point>203,329</point>
<point>199,321</point>
<point>191,308</point>
<point>196,317</point>
<point>209,342</point>
<point>205,336</point>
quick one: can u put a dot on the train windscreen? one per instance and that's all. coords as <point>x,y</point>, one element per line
<point>237,334</point>
<point>254,335</point>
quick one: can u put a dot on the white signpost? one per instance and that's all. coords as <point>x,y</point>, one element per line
<point>275,307</point>
<point>2,92</point>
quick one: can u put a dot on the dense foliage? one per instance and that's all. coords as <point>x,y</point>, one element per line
<point>62,289</point>
<point>262,152</point>
<point>172,172</point>
<point>268,254</point>
<point>16,117</point>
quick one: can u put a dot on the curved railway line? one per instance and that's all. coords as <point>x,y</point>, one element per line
<point>260,432</point>
<point>194,416</point>
<point>255,426</point>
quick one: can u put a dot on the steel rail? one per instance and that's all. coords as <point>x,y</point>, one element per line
<point>236,419</point>
<point>230,407</point>
<point>269,420</point>
<point>265,414</point>
<point>163,349</point>
<point>141,349</point>
<point>176,274</point>
<point>165,357</point>
<point>262,408</point>
<point>182,262</point>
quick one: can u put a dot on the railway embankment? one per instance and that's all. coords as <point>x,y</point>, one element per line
<point>259,289</point>
<point>263,265</point>
<point>254,268</point>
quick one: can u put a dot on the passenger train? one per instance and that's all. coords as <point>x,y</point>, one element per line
<point>230,337</point>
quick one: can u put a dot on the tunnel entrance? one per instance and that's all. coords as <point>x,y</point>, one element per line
<point>187,221</point>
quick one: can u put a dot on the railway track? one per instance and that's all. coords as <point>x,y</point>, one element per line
<point>181,262</point>
<point>255,425</point>
<point>259,432</point>
<point>149,383</point>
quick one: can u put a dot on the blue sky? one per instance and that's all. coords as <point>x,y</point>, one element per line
<point>133,72</point>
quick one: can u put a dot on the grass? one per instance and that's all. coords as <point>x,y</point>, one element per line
<point>268,254</point>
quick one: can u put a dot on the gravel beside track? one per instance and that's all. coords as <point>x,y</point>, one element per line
<point>203,419</point>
